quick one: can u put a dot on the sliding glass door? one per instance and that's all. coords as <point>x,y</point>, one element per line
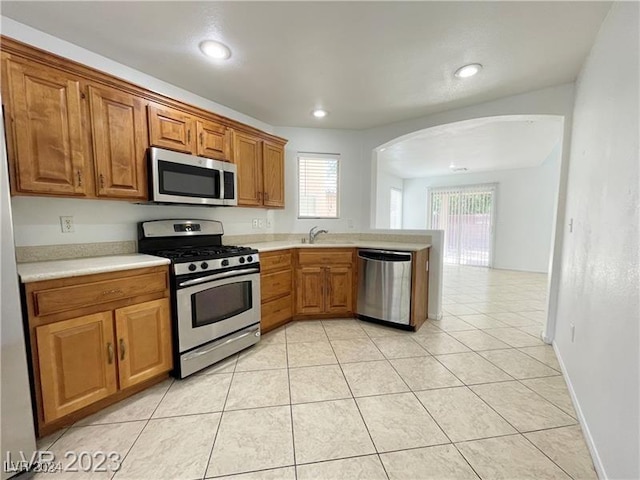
<point>466,214</point>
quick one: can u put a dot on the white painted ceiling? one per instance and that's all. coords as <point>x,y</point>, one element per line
<point>480,145</point>
<point>368,63</point>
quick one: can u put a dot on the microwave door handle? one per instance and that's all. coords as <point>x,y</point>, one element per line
<point>221,182</point>
<point>218,276</point>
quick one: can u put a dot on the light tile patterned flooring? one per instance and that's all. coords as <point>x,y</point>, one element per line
<point>476,394</point>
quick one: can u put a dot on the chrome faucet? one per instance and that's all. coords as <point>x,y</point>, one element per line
<point>314,232</point>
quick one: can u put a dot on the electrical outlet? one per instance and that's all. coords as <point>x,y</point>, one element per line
<point>571,226</point>
<point>573,332</point>
<point>261,223</point>
<point>269,223</point>
<point>66,225</point>
<point>254,224</point>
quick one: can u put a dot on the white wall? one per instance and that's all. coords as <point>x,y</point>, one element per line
<point>387,181</point>
<point>525,210</point>
<point>36,219</point>
<point>548,101</point>
<point>599,288</point>
<point>346,143</point>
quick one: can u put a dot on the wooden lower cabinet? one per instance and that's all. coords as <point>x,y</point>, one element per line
<point>339,297</point>
<point>110,340</point>
<point>144,341</point>
<point>310,287</point>
<point>325,282</point>
<point>276,285</point>
<point>77,363</point>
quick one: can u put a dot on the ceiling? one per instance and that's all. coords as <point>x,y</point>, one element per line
<point>484,144</point>
<point>367,63</point>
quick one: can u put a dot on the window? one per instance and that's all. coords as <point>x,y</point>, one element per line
<point>318,185</point>
<point>395,209</point>
<point>466,214</point>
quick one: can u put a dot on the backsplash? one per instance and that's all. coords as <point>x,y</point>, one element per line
<point>43,253</point>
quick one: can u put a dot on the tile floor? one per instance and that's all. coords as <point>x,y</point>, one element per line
<point>474,395</point>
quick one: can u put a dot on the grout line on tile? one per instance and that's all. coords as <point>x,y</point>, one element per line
<point>224,405</point>
<point>293,437</point>
<point>354,399</point>
<point>142,430</point>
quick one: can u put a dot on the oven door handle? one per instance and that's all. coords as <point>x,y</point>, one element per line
<point>218,276</point>
<point>217,345</point>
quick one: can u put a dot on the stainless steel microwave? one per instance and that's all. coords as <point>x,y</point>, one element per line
<point>176,177</point>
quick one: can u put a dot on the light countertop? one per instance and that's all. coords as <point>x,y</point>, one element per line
<point>283,245</point>
<point>38,271</point>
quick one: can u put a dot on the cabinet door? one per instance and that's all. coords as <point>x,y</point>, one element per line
<point>339,290</point>
<point>310,283</point>
<point>144,341</point>
<point>172,129</point>
<point>77,363</point>
<point>247,155</point>
<point>48,149</point>
<point>119,143</point>
<point>273,174</point>
<point>213,140</point>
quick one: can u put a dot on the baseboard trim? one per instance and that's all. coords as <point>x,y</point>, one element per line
<point>597,462</point>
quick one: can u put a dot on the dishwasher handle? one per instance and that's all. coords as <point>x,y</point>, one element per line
<point>385,255</point>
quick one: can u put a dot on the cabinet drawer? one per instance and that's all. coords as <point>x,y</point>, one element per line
<point>274,285</point>
<point>272,261</point>
<point>276,312</point>
<point>325,256</point>
<point>54,300</point>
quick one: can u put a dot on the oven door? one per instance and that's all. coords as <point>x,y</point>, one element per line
<point>181,178</point>
<point>216,306</point>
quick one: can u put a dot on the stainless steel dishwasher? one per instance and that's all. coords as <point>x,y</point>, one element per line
<point>384,286</point>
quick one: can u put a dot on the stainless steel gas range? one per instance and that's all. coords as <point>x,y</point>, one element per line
<point>215,290</point>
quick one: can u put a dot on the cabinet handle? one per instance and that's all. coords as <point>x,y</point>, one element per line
<point>188,136</point>
<point>110,353</point>
<point>202,138</point>
<point>122,349</point>
<point>101,181</point>
<point>266,195</point>
<point>79,174</point>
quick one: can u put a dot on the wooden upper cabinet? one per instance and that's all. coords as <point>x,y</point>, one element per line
<point>247,155</point>
<point>77,363</point>
<point>339,290</point>
<point>119,143</point>
<point>214,140</point>
<point>144,341</point>
<point>172,129</point>
<point>273,174</point>
<point>46,142</point>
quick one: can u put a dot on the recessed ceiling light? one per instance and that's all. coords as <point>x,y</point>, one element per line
<point>214,49</point>
<point>468,70</point>
<point>319,113</point>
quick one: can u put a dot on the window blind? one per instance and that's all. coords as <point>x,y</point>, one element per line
<point>318,185</point>
<point>395,209</point>
<point>466,214</point>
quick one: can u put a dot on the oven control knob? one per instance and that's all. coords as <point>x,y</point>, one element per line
<point>249,259</point>
<point>192,267</point>
<point>204,265</point>
<point>225,263</point>
<point>241,259</point>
